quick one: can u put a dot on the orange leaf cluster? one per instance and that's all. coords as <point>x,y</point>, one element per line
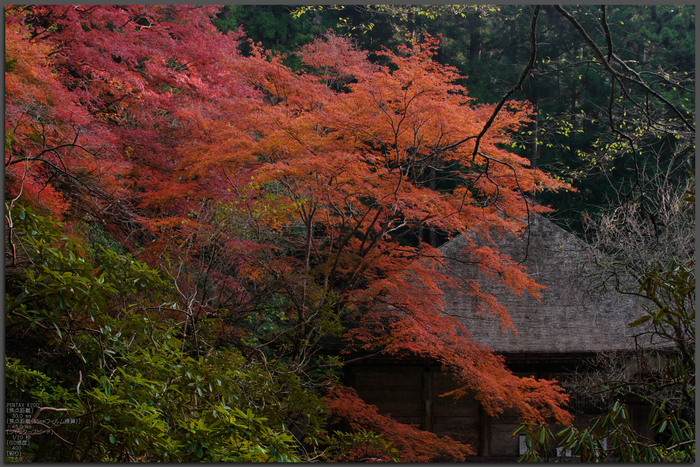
<point>412,444</point>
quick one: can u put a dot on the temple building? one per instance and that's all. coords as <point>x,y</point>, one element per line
<point>575,320</point>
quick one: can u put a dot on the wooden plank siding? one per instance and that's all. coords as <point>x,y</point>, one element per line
<point>411,392</point>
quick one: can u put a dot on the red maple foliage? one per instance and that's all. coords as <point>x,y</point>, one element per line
<point>412,444</point>
<point>101,98</point>
<point>369,156</point>
<point>250,183</point>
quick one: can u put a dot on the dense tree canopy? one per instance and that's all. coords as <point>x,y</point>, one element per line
<point>276,208</point>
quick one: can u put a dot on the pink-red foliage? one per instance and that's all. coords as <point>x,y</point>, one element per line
<point>412,444</point>
<point>105,95</point>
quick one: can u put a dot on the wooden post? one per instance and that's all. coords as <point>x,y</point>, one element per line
<point>427,424</point>
<point>484,432</point>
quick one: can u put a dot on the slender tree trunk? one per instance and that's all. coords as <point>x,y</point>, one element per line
<point>475,40</point>
<point>535,123</point>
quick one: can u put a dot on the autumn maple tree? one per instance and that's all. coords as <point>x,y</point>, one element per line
<point>284,208</point>
<point>362,160</point>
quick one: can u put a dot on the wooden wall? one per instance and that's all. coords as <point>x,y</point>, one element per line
<point>409,391</point>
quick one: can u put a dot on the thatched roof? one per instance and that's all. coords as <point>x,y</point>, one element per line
<point>574,315</point>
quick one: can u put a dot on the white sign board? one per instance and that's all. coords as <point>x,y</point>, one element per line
<point>523,447</point>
